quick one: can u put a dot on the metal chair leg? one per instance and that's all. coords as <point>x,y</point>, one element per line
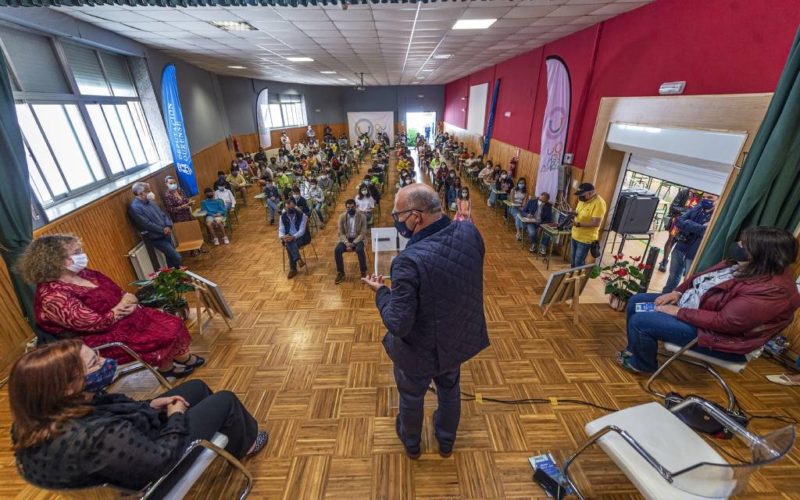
<point>163,381</point>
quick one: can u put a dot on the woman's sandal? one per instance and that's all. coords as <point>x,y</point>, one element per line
<point>198,361</point>
<point>262,438</point>
<point>172,372</point>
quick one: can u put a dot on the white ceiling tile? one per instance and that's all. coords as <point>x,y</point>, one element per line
<point>120,16</point>
<point>618,8</point>
<point>349,15</point>
<point>554,21</point>
<point>572,10</point>
<point>212,14</point>
<point>519,12</point>
<point>476,12</point>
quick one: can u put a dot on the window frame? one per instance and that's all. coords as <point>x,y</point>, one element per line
<point>289,106</point>
<point>81,101</point>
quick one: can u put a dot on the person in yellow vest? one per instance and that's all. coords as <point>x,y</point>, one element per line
<point>586,227</point>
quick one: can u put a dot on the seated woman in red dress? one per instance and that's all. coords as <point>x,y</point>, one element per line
<point>72,300</point>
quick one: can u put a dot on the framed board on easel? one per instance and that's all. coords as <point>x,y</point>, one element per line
<point>565,285</point>
<point>209,301</point>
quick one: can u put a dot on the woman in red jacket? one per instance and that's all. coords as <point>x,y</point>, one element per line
<point>733,308</point>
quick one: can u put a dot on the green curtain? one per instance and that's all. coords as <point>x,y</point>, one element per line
<point>15,193</point>
<point>767,191</point>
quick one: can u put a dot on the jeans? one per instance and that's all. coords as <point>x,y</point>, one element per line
<point>679,264</point>
<point>532,228</point>
<point>412,391</point>
<point>339,251</point>
<point>272,207</point>
<point>293,249</point>
<point>645,329</point>
<point>579,253</point>
<point>165,245</point>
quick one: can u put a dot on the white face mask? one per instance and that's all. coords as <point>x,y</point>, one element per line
<point>364,192</point>
<point>79,262</point>
<point>172,187</point>
<point>151,196</point>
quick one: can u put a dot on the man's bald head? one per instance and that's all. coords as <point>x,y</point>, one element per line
<point>418,196</point>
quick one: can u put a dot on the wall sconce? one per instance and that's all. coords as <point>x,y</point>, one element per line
<point>317,110</point>
<point>463,98</point>
<point>463,110</point>
<point>507,114</point>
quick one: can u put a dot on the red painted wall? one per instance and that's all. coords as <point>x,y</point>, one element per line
<point>717,46</point>
<point>455,108</point>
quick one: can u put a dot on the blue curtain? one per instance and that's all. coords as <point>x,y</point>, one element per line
<point>15,193</point>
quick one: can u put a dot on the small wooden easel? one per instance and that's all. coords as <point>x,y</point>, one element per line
<point>570,288</point>
<point>208,303</point>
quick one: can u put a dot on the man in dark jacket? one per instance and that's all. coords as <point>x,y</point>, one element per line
<point>433,313</point>
<point>536,212</point>
<point>153,224</point>
<point>692,226</point>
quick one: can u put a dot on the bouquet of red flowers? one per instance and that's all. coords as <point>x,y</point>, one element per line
<point>623,278</point>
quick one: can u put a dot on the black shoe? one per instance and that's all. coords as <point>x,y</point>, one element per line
<point>197,363</point>
<point>409,453</point>
<point>262,438</point>
<point>292,274</point>
<point>176,374</point>
<point>272,223</point>
<point>662,267</point>
<point>339,278</point>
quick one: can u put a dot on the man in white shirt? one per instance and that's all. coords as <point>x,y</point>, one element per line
<point>352,234</point>
<point>226,195</point>
<point>293,234</point>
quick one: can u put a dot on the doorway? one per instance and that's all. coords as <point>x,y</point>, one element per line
<point>420,123</point>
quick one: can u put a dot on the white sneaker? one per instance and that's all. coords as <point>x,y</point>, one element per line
<point>216,241</point>
<point>226,240</point>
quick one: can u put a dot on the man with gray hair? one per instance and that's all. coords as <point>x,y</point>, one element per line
<point>153,224</point>
<point>433,313</point>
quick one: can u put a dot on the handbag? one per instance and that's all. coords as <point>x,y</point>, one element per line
<point>594,249</point>
<point>696,417</point>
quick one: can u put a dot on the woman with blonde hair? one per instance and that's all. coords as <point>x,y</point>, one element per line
<point>69,433</point>
<point>74,301</point>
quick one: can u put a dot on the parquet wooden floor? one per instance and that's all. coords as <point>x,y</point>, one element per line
<point>305,357</point>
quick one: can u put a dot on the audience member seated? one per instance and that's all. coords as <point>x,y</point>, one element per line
<point>272,199</point>
<point>261,155</point>
<point>732,308</point>
<point>317,200</point>
<point>373,189</point>
<point>537,211</point>
<point>463,206</point>
<point>325,181</point>
<point>486,172</point>
<point>519,197</point>
<point>502,187</point>
<point>293,233</point>
<point>215,216</point>
<point>301,202</point>
<point>225,195</point>
<point>365,202</point>
<point>238,184</point>
<point>453,191</point>
<point>222,181</point>
<point>179,206</point>
<point>405,179</point>
<point>284,182</point>
<point>152,223</point>
<point>352,235</point>
<point>68,432</point>
<point>74,301</point>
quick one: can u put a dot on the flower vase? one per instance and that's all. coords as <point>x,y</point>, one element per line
<point>617,303</point>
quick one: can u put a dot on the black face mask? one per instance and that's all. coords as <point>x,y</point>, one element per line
<point>582,197</point>
<point>737,252</point>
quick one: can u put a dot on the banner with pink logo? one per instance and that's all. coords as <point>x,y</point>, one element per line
<point>554,128</point>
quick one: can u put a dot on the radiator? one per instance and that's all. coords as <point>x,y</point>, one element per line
<point>140,260</point>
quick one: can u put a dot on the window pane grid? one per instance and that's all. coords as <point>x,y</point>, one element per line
<point>130,134</point>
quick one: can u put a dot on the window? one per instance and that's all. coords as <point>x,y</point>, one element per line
<point>79,112</point>
<point>287,110</point>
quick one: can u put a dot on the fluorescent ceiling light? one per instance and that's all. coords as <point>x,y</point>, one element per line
<point>233,25</point>
<point>420,78</point>
<point>328,72</point>
<point>299,59</point>
<point>342,79</point>
<point>426,69</point>
<point>443,56</point>
<point>473,24</point>
<point>237,67</point>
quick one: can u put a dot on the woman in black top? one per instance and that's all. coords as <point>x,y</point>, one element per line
<point>69,433</point>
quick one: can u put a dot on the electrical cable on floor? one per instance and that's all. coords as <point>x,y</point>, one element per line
<point>550,401</point>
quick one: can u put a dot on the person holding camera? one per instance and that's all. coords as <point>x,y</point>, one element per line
<point>691,226</point>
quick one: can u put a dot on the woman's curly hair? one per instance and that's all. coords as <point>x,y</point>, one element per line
<point>44,258</point>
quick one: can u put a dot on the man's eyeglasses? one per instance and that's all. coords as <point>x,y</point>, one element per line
<point>396,215</point>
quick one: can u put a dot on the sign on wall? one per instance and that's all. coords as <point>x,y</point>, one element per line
<point>176,131</point>
<point>554,128</point>
<point>262,116</point>
<point>372,123</point>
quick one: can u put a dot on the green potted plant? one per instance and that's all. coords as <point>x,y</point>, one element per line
<point>165,290</point>
<point>622,279</point>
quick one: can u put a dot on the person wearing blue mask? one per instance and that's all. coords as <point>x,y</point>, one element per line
<point>691,226</point>
<point>68,432</point>
<point>433,313</point>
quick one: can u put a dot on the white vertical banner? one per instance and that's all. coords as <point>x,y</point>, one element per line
<point>372,123</point>
<point>476,111</point>
<point>554,128</point>
<point>262,116</point>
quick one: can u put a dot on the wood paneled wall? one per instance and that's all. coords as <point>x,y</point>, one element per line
<point>107,234</point>
<point>250,143</point>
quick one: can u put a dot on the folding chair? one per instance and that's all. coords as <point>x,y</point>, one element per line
<point>176,483</point>
<point>189,236</point>
<point>665,459</point>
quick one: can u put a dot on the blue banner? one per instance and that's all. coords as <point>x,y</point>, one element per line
<point>178,142</point>
<point>490,123</point>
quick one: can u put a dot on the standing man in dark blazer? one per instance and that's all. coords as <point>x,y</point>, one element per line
<point>433,313</point>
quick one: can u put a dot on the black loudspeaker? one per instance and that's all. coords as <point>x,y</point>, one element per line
<point>634,213</point>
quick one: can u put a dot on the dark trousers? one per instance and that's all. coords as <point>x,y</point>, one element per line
<point>211,412</point>
<point>412,391</point>
<point>293,249</point>
<point>165,245</point>
<point>358,249</point>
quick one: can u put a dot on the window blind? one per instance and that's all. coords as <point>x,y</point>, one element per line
<point>34,62</point>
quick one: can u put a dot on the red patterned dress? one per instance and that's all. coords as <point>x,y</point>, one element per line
<point>69,310</point>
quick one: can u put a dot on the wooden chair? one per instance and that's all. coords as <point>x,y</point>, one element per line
<point>189,236</point>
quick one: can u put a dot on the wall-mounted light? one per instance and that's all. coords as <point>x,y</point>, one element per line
<point>507,114</point>
<point>317,110</point>
<point>420,96</point>
<point>671,88</point>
